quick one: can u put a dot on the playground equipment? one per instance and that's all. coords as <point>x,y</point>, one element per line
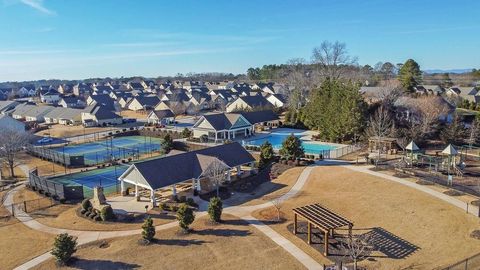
<point>449,161</point>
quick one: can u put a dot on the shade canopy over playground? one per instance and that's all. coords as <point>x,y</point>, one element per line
<point>412,146</point>
<point>450,150</point>
<point>322,218</point>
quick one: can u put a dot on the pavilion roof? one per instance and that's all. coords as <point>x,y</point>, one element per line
<point>322,217</point>
<point>450,150</point>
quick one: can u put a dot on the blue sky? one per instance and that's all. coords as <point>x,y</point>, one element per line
<point>76,39</point>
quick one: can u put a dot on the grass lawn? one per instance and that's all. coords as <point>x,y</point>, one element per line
<point>19,244</point>
<point>274,188</point>
<point>231,245</point>
<point>432,233</point>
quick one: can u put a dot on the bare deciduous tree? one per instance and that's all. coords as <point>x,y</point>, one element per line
<point>11,143</point>
<point>216,172</point>
<point>357,247</point>
<point>390,91</point>
<point>473,133</point>
<point>277,203</point>
<point>333,59</point>
<point>427,111</point>
<point>380,125</point>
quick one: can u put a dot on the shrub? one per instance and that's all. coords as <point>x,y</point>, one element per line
<point>215,208</point>
<point>87,213</point>
<point>164,207</point>
<point>92,215</point>
<point>174,208</point>
<point>107,213</point>
<point>183,199</point>
<point>186,133</point>
<point>185,216</point>
<point>86,204</point>
<point>97,218</point>
<point>148,230</point>
<point>83,211</point>
<point>63,248</point>
<point>192,202</point>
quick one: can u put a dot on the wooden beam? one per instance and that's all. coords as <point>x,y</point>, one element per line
<point>295,223</point>
<point>309,236</point>
<point>325,240</point>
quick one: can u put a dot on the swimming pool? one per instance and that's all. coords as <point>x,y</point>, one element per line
<point>276,140</point>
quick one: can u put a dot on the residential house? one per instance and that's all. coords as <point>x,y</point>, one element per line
<point>143,103</point>
<point>64,116</point>
<point>71,102</point>
<point>245,103</point>
<point>100,116</point>
<point>161,117</point>
<point>7,106</point>
<point>50,96</point>
<point>31,113</point>
<point>105,101</point>
<point>277,100</point>
<point>8,123</point>
<point>464,93</point>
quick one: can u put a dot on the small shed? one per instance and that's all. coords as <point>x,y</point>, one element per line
<point>383,143</point>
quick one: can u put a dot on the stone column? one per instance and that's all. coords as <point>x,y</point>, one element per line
<point>122,187</point>
<point>136,191</point>
<point>174,191</point>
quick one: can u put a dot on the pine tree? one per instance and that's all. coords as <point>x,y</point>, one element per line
<point>148,230</point>
<point>292,148</point>
<point>185,217</point>
<point>410,74</point>
<point>215,208</point>
<point>167,144</point>
<point>266,153</point>
<point>454,132</point>
<point>63,248</point>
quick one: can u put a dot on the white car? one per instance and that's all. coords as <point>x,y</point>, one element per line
<point>45,140</point>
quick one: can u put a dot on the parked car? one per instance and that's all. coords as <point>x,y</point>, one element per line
<point>129,120</point>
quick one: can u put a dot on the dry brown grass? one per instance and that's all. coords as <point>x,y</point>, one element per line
<point>136,115</point>
<point>439,230</point>
<point>19,244</point>
<point>269,190</point>
<point>19,174</point>
<point>25,194</point>
<point>231,245</point>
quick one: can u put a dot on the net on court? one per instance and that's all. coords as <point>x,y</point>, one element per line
<point>115,148</point>
<point>105,177</point>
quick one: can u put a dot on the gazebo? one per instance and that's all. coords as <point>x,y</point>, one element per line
<point>322,218</point>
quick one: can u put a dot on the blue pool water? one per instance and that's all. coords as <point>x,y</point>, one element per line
<point>276,140</point>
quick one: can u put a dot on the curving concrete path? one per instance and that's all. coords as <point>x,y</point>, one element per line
<point>243,212</point>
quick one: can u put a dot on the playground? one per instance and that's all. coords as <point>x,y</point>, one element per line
<point>456,167</point>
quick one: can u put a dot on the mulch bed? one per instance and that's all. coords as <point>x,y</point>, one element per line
<point>476,203</point>
<point>452,192</point>
<point>250,184</point>
<point>475,234</point>
<point>425,183</point>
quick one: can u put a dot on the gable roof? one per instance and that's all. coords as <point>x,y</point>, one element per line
<point>221,121</point>
<point>260,116</point>
<point>163,114</point>
<point>172,169</point>
<point>255,101</point>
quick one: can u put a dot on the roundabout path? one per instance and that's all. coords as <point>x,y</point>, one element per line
<point>243,212</point>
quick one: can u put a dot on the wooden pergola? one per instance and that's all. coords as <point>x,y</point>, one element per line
<point>322,218</point>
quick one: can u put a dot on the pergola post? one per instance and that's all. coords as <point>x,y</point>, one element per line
<point>136,191</point>
<point>309,233</point>
<point>326,244</point>
<point>122,187</point>
<point>295,223</point>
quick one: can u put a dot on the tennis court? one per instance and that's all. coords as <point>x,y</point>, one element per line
<point>103,151</point>
<point>105,177</point>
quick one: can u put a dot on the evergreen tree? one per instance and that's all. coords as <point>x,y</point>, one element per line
<point>336,109</point>
<point>266,153</point>
<point>185,216</point>
<point>410,74</point>
<point>63,248</point>
<point>167,144</point>
<point>186,133</point>
<point>215,208</point>
<point>291,148</point>
<point>148,230</point>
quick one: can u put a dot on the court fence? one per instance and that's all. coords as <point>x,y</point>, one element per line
<point>56,191</point>
<point>470,263</point>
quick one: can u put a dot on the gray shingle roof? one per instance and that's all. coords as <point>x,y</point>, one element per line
<point>178,168</point>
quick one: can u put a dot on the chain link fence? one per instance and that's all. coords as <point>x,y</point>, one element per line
<point>471,263</point>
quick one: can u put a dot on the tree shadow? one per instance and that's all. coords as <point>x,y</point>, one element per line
<point>223,232</point>
<point>178,242</point>
<point>101,264</point>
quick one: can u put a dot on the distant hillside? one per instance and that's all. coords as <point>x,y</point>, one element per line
<point>455,71</point>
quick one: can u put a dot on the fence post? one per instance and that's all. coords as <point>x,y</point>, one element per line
<point>25,206</point>
<point>13,209</point>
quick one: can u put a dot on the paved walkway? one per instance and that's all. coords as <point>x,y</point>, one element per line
<point>243,212</point>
